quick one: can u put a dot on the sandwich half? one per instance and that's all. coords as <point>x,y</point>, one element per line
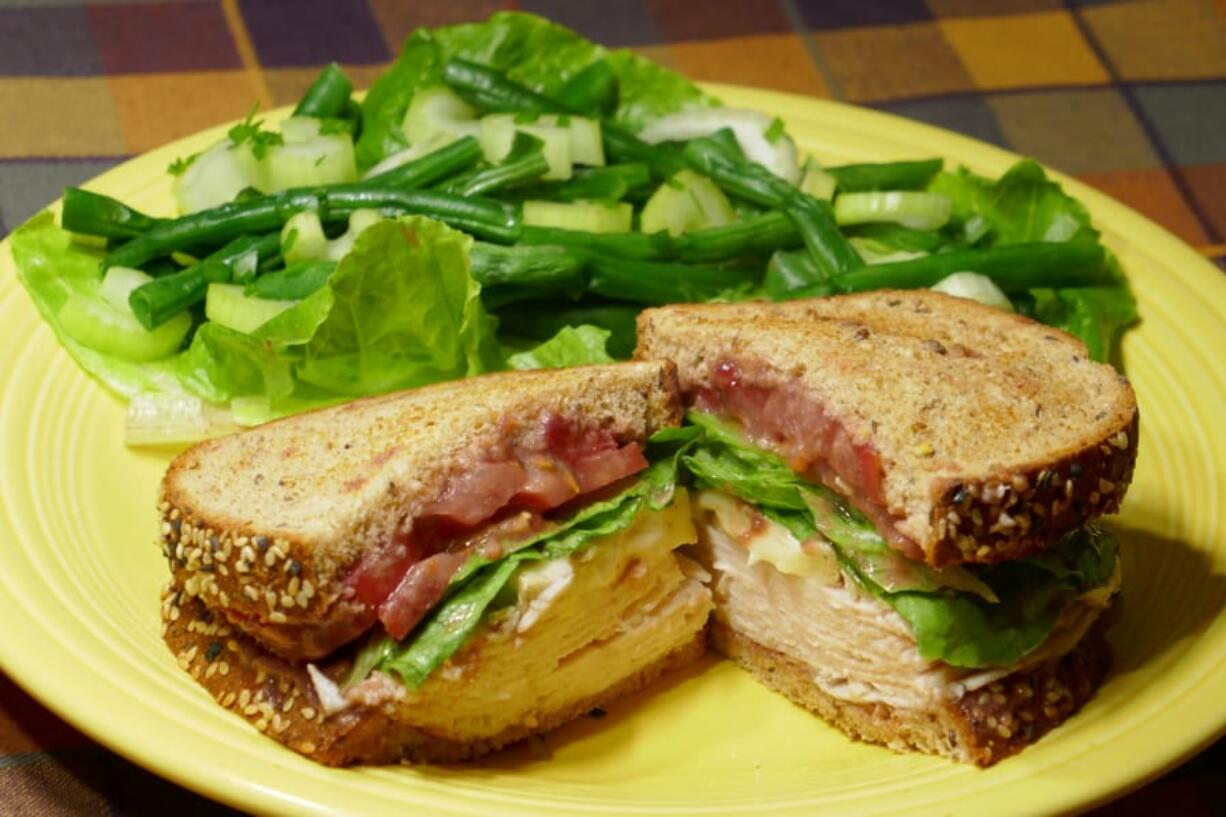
<point>897,495</point>
<point>433,574</point>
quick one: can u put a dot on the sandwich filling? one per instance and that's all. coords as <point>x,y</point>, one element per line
<point>479,573</point>
<point>783,418</point>
<point>958,622</point>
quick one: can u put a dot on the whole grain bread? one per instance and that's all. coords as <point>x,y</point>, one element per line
<point>997,434</point>
<point>982,727</point>
<point>264,522</point>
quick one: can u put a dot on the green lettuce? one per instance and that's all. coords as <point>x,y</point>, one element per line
<point>477,586</point>
<point>571,346</point>
<point>1025,205</point>
<point>967,617</point>
<point>401,310</point>
<point>533,51</point>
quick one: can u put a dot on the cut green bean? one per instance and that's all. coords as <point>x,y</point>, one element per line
<point>490,90</point>
<point>433,167</point>
<point>1011,267</point>
<point>525,162</point>
<point>657,283</point>
<point>885,175</point>
<point>757,235</point>
<point>91,213</point>
<point>612,183</point>
<point>484,218</point>
<point>511,274</point>
<point>161,299</point>
<point>641,246</point>
<point>793,271</point>
<point>899,237</point>
<point>328,95</point>
<point>623,146</point>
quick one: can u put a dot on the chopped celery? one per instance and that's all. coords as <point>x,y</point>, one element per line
<point>359,222</point>
<point>919,211</point>
<point>688,201</point>
<point>758,135</point>
<point>303,239</point>
<point>585,216</point>
<point>118,283</point>
<point>322,159</point>
<point>498,135</point>
<point>159,418</point>
<point>875,252</point>
<point>216,176</point>
<point>226,304</point>
<point>436,115</point>
<point>95,321</point>
<point>816,181</point>
<point>976,287</point>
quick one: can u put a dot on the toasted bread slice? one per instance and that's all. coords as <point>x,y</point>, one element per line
<point>262,524</point>
<point>584,631</point>
<point>995,434</point>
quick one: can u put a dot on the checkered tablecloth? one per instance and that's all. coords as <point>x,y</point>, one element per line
<point>1127,96</point>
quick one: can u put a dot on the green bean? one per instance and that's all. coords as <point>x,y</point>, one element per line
<point>612,182</point>
<point>161,299</point>
<point>899,237</point>
<point>623,146</point>
<point>524,163</point>
<point>485,218</point>
<point>655,283</point>
<point>642,246</point>
<point>292,283</point>
<point>885,175</point>
<point>328,95</point>
<point>793,271</point>
<point>592,91</point>
<point>1012,267</point>
<point>756,235</point>
<point>434,166</point>
<point>490,90</point>
<point>92,213</point>
<point>814,220</point>
<point>511,274</point>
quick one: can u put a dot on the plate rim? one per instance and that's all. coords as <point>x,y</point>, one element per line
<point>1192,266</point>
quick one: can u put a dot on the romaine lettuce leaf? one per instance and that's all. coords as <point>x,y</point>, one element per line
<point>965,616</point>
<point>533,51</point>
<point>1025,205</point>
<point>572,346</point>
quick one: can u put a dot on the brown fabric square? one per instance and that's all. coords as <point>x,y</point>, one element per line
<point>776,61</point>
<point>1170,39</point>
<point>877,64</point>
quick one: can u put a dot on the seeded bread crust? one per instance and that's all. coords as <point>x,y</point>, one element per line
<point>997,434</point>
<point>264,523</point>
<point>279,699</point>
<point>981,728</point>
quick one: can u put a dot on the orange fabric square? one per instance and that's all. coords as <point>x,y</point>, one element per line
<point>1207,183</point>
<point>158,108</point>
<point>1076,130</point>
<point>1170,39</point>
<point>286,85</point>
<point>1152,193</point>
<point>58,117</point>
<point>776,61</point>
<point>1023,50</point>
<point>891,62</point>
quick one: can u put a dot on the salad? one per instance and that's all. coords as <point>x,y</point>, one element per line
<point>510,195</point>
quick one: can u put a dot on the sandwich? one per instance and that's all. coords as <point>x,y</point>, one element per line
<point>433,574</point>
<point>895,495</point>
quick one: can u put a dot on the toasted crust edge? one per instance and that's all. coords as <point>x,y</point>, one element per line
<point>981,728</point>
<point>278,579</point>
<point>285,707</point>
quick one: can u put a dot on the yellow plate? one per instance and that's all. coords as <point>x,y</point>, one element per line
<point>80,574</point>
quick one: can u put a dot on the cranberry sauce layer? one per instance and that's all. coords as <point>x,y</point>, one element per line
<point>489,504</point>
<point>780,416</point>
